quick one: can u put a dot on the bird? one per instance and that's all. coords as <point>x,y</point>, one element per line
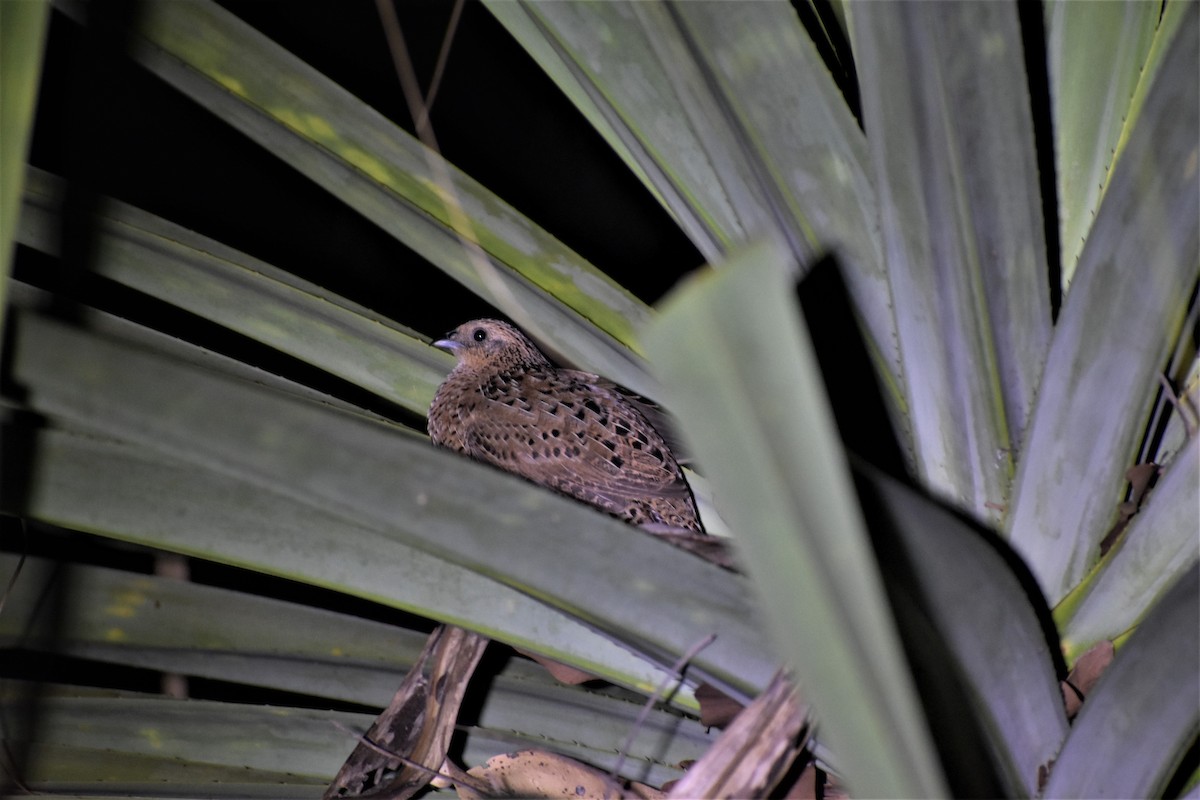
<point>577,433</point>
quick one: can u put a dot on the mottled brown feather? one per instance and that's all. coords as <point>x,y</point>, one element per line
<point>574,432</point>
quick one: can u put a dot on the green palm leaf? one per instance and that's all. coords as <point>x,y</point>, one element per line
<point>1120,322</point>
<point>390,178</point>
<point>912,633</point>
<point>22,37</point>
<point>763,428</point>
<point>1096,57</point>
<point>401,490</point>
<point>956,172</point>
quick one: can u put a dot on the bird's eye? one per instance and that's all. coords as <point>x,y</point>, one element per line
<point>479,335</point>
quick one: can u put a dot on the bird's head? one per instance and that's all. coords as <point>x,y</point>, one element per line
<point>489,344</point>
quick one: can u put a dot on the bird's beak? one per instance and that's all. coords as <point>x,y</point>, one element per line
<point>449,345</point>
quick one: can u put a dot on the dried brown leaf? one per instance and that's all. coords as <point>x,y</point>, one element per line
<point>1083,677</point>
<point>755,751</point>
<point>537,773</point>
<point>1140,477</point>
<point>563,673</point>
<point>717,709</point>
<point>417,724</point>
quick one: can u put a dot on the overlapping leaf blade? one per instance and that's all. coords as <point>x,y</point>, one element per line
<point>947,112</point>
<point>406,492</point>
<point>633,69</point>
<point>217,749</point>
<point>1120,321</point>
<point>131,493</point>
<point>386,175</point>
<point>126,492</point>
<point>215,633</point>
<point>26,297</point>
<point>690,96</point>
<point>1144,714</point>
<point>992,634</point>
<point>240,292</point>
<point>739,371</point>
<point>1154,551</point>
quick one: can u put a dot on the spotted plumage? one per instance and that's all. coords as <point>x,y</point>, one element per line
<point>574,432</point>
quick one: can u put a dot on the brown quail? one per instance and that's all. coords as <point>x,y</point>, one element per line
<point>574,432</point>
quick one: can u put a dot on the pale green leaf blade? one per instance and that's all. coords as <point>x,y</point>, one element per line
<point>634,70</point>
<point>815,161</point>
<point>1169,24</point>
<point>101,607</point>
<point>129,493</point>
<point>1095,53</point>
<point>151,740</point>
<point>1155,550</point>
<point>22,38</point>
<point>739,371</point>
<point>248,751</point>
<point>1144,714</point>
<point>951,138</point>
<point>215,633</point>
<point>391,179</point>
<point>453,508</point>
<point>235,290</point>
<point>1121,320</point>
<point>690,95</point>
<point>28,298</point>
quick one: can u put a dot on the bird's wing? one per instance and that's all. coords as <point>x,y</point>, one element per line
<point>575,433</point>
<point>658,418</point>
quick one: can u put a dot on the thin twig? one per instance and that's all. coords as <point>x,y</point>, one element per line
<point>443,58</point>
<point>675,676</point>
<point>1182,408</point>
<point>460,223</point>
<point>12,582</point>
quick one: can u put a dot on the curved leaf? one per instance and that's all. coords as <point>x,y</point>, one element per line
<point>1153,552</point>
<point>991,636</point>
<point>1144,713</point>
